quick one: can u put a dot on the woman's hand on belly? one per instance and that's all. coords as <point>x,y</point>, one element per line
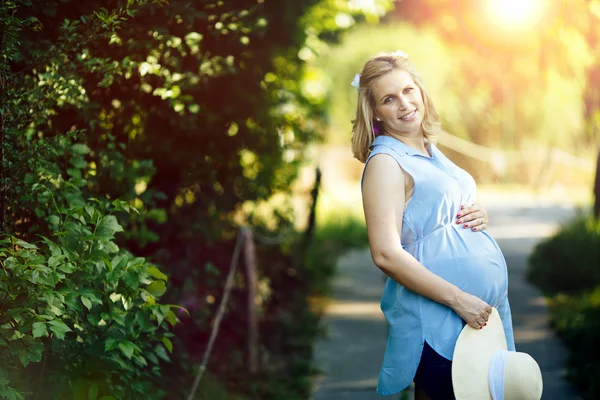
<point>473,217</point>
<point>472,309</point>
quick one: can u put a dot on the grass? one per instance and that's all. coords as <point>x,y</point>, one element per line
<point>340,227</point>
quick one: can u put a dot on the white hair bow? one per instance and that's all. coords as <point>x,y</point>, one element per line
<point>356,81</point>
<point>400,53</point>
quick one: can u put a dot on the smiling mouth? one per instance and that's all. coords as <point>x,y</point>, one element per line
<point>409,115</point>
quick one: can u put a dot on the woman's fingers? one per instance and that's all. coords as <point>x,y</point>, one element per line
<point>473,217</point>
<point>474,311</point>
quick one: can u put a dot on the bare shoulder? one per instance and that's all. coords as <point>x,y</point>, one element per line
<point>382,171</point>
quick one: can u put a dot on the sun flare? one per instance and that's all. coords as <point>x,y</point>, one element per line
<point>515,12</point>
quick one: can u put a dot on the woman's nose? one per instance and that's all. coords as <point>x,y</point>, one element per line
<point>403,102</point>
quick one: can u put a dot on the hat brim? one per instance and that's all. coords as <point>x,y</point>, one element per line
<point>471,360</point>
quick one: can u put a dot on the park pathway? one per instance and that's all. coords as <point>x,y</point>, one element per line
<point>351,354</point>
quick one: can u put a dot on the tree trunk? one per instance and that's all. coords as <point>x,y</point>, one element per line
<point>597,188</point>
<point>3,85</point>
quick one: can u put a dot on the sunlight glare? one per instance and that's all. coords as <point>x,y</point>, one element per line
<point>515,12</point>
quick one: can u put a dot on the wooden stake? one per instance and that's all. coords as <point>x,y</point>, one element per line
<point>220,313</point>
<point>251,283</point>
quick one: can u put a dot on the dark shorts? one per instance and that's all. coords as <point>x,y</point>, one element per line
<point>434,375</point>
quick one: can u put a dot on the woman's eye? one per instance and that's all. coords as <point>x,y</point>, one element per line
<point>387,100</point>
<point>408,90</point>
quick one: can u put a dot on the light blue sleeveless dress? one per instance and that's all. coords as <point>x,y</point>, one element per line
<point>470,260</point>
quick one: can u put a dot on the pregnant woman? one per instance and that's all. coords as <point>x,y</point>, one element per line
<point>425,233</point>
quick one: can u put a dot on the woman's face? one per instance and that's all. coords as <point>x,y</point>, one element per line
<point>398,103</point>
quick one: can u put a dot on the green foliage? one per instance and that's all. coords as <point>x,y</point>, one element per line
<point>80,314</point>
<point>565,267</point>
<point>83,303</point>
<point>569,261</point>
<point>576,319</point>
<point>336,232</point>
<point>191,114</point>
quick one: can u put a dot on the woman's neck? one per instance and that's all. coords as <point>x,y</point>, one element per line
<point>417,142</point>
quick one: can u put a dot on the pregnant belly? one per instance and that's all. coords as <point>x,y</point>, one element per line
<point>470,260</point>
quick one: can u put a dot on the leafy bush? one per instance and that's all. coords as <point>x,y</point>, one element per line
<point>192,114</point>
<point>85,305</point>
<point>576,320</point>
<point>568,262</point>
<point>567,269</point>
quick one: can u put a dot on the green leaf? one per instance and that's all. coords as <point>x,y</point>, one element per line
<point>59,329</point>
<point>53,220</point>
<point>90,211</point>
<point>145,323</point>
<point>93,391</point>
<point>57,311</point>
<point>140,360</point>
<point>71,301</point>
<point>53,261</point>
<point>39,329</point>
<point>152,357</point>
<point>110,344</point>
<point>168,344</point>
<point>119,316</point>
<point>74,172</point>
<point>115,297</point>
<point>67,268</point>
<point>29,178</point>
<point>161,352</point>
<point>26,245</point>
<point>23,356</point>
<point>119,261</point>
<point>78,388</point>
<point>131,278</point>
<point>86,302</point>
<point>12,394</point>
<point>171,317</point>
<point>108,226</point>
<point>93,318</point>
<point>92,296</point>
<point>79,162</point>
<point>157,288</point>
<point>156,273</point>
<point>54,248</point>
<point>211,269</point>
<point>33,353</point>
<point>80,148</point>
<point>127,348</point>
<point>16,336</point>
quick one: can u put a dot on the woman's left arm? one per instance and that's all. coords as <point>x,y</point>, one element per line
<point>473,217</point>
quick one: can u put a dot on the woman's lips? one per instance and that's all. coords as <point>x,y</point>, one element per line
<point>410,116</point>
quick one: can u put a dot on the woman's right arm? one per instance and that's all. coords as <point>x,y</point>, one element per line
<point>383,201</point>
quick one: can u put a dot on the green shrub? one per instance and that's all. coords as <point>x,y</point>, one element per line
<point>568,262</point>
<point>566,267</point>
<point>87,307</point>
<point>336,232</point>
<point>576,320</point>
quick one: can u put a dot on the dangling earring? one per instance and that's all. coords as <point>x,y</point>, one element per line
<point>377,119</point>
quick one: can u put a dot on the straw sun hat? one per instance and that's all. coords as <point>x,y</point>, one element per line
<point>483,368</point>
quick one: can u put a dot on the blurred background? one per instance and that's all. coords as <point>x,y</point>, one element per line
<point>514,83</point>
<point>177,184</point>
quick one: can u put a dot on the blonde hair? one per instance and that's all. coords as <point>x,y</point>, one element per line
<point>364,124</point>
